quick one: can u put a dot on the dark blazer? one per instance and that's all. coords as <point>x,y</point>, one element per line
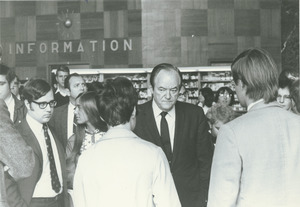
<point>59,122</point>
<point>192,151</point>
<point>20,110</point>
<point>20,193</point>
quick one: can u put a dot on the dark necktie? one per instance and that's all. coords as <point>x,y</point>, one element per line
<point>74,124</point>
<point>165,136</point>
<point>54,177</point>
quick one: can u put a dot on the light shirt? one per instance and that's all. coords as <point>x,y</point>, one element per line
<point>71,108</point>
<point>170,117</point>
<point>252,104</point>
<point>10,103</point>
<point>63,93</point>
<point>43,187</point>
<point>124,170</point>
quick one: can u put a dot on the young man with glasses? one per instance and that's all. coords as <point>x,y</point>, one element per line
<point>46,186</point>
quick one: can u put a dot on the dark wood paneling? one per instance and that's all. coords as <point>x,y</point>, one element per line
<point>7,29</point>
<point>46,7</point>
<point>246,4</point>
<point>220,22</point>
<point>194,22</point>
<point>222,47</point>
<point>46,27</point>
<point>134,55</point>
<point>25,8</point>
<point>113,5</point>
<point>247,22</point>
<point>135,23</point>
<point>270,4</point>
<point>220,4</point>
<point>68,7</point>
<point>92,26</point>
<point>25,28</point>
<point>7,9</point>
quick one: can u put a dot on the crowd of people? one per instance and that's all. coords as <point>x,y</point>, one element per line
<point>92,145</point>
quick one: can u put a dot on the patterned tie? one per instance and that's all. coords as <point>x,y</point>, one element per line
<point>54,177</point>
<point>165,136</point>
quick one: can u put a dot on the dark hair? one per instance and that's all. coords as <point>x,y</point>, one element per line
<point>35,89</point>
<point>287,77</point>
<point>208,95</point>
<point>164,66</point>
<point>295,94</point>
<point>88,103</point>
<point>67,80</point>
<point>7,72</point>
<point>117,101</point>
<point>258,71</point>
<point>220,112</point>
<point>222,90</point>
<point>95,86</point>
<point>63,68</point>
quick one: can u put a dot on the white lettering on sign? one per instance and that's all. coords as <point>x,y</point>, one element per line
<point>67,47</point>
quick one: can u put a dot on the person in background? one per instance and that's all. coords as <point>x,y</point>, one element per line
<point>61,93</point>
<point>122,169</point>
<point>257,155</point>
<point>295,94</point>
<point>225,95</point>
<point>286,78</point>
<point>219,115</point>
<point>183,94</point>
<point>16,108</point>
<point>15,87</point>
<point>181,130</point>
<point>47,184</point>
<point>16,157</point>
<point>63,120</point>
<point>90,129</point>
<point>206,99</point>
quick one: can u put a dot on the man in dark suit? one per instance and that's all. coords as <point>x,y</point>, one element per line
<point>16,157</point>
<point>46,186</point>
<point>61,94</point>
<point>181,130</point>
<point>15,106</point>
<point>63,120</point>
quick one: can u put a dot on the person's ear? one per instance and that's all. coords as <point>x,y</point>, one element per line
<point>27,104</point>
<point>68,92</point>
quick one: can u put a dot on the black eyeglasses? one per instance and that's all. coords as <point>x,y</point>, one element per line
<point>43,105</point>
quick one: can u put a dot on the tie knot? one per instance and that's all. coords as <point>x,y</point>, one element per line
<point>163,113</point>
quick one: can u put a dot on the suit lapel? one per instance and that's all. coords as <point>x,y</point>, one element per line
<point>31,140</point>
<point>152,125</point>
<point>178,135</point>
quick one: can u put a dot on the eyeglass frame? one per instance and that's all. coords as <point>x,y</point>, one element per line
<point>52,104</point>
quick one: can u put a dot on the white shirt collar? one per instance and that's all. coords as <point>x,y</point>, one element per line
<point>252,104</point>
<point>157,110</point>
<point>34,124</point>
<point>63,93</point>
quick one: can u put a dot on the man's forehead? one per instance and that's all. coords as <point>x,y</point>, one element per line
<point>74,80</point>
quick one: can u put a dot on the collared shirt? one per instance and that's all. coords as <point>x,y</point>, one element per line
<point>170,117</point>
<point>71,108</point>
<point>10,103</point>
<point>124,170</point>
<point>63,93</point>
<point>252,104</point>
<point>43,187</point>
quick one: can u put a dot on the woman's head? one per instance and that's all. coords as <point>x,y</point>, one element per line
<point>86,111</point>
<point>206,96</point>
<point>286,78</point>
<point>225,96</point>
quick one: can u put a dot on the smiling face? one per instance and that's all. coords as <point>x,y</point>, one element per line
<point>41,115</point>
<point>166,89</point>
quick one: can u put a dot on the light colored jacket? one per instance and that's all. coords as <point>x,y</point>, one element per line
<point>257,160</point>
